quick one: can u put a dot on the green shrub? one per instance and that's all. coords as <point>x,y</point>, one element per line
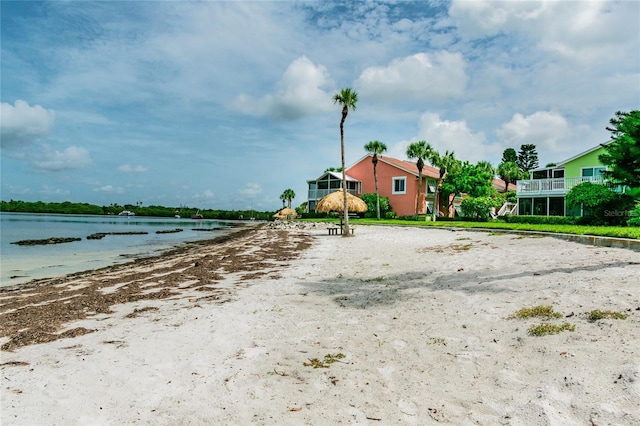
<point>370,199</point>
<point>544,311</point>
<point>598,314</point>
<point>544,220</point>
<point>510,196</point>
<point>477,207</point>
<point>601,205</point>
<point>390,215</point>
<point>546,328</point>
<point>634,221</point>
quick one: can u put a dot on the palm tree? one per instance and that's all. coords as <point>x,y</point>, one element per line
<point>375,148</point>
<point>444,163</point>
<point>289,195</point>
<point>419,150</point>
<point>509,172</point>
<point>347,98</point>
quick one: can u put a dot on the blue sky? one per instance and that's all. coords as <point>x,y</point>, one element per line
<point>224,105</point>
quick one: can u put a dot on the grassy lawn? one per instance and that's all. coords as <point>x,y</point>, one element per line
<point>603,231</point>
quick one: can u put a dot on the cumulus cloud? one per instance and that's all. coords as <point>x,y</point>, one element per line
<point>439,75</point>
<point>446,135</point>
<point>454,136</point>
<point>72,157</point>
<point>299,93</point>
<point>21,124</point>
<point>546,130</point>
<point>127,168</point>
<point>251,189</point>
<point>577,30</point>
<point>476,19</point>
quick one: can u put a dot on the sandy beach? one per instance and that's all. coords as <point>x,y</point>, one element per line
<point>287,325</point>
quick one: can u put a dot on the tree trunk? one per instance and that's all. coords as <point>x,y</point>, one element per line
<point>345,233</point>
<point>375,178</point>
<point>419,189</point>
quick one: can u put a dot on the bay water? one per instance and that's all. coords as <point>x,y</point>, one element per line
<point>22,263</point>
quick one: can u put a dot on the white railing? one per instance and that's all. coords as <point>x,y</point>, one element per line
<point>316,194</point>
<point>508,209</point>
<point>558,186</point>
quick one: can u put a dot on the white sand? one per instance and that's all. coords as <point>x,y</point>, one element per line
<point>423,327</point>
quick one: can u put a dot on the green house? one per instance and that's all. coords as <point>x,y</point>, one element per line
<point>545,192</point>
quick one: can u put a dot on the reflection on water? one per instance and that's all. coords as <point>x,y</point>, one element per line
<point>19,264</point>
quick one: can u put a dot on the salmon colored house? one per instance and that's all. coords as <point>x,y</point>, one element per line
<point>397,179</point>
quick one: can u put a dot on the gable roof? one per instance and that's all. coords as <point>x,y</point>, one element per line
<point>427,171</point>
<point>405,165</point>
<point>337,175</point>
<point>562,163</point>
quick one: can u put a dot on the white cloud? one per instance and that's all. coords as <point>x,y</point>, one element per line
<point>251,190</point>
<point>127,168</point>
<point>422,76</point>
<point>453,136</point>
<point>476,19</point>
<point>71,158</point>
<point>21,124</point>
<point>577,30</point>
<point>298,93</point>
<point>546,130</point>
<point>109,189</point>
<point>445,135</point>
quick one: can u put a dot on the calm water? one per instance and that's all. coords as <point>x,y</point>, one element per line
<point>20,264</point>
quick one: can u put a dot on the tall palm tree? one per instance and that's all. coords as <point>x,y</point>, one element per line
<point>347,98</point>
<point>444,162</point>
<point>289,195</point>
<point>419,150</point>
<point>375,148</point>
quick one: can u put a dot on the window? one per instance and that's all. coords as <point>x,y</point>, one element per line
<point>399,185</point>
<point>593,171</point>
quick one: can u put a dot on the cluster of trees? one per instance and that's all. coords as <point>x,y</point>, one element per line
<point>288,195</point>
<point>454,179</point>
<point>114,209</point>
<point>516,166</point>
<point>603,205</point>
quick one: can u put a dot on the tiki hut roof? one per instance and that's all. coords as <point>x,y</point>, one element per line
<point>286,213</point>
<point>334,202</point>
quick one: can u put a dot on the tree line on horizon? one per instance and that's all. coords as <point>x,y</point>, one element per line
<point>67,207</point>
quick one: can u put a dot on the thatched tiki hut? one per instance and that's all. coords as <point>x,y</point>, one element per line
<point>334,202</point>
<point>286,213</point>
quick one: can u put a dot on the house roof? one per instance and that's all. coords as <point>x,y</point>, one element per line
<point>406,165</point>
<point>337,175</point>
<point>562,163</point>
<point>429,171</point>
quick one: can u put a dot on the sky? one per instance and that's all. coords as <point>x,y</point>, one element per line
<point>226,104</point>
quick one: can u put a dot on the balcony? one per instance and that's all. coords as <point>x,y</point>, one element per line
<point>557,187</point>
<point>317,194</point>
